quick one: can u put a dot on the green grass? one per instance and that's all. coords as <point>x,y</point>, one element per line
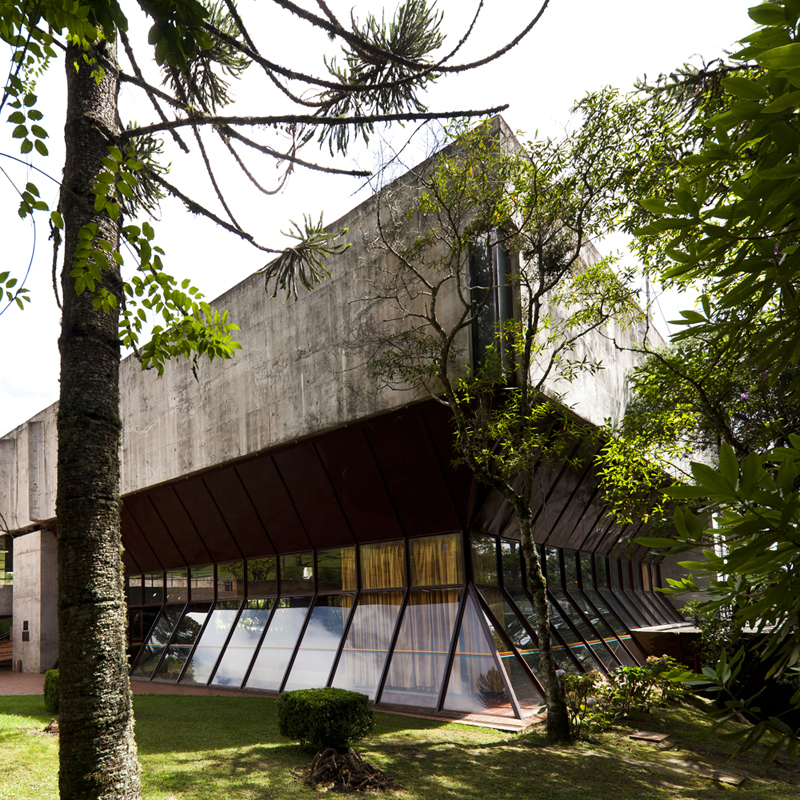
<point>229,748</point>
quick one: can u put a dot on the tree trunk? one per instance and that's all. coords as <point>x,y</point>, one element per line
<point>97,748</point>
<point>557,714</point>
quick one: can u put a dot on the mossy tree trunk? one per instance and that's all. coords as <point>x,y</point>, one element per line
<point>97,748</point>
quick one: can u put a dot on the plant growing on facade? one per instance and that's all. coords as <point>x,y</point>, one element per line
<point>111,177</point>
<point>492,250</point>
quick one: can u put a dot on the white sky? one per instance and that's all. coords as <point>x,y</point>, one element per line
<point>578,46</point>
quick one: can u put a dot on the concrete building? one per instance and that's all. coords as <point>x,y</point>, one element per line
<point>287,523</point>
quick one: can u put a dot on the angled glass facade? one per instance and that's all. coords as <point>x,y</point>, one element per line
<point>442,622</point>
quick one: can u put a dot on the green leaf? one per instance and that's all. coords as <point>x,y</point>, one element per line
<point>57,219</point>
<point>785,57</point>
<point>745,88</point>
<point>41,147</point>
<point>39,131</point>
<point>100,201</point>
<point>767,14</point>
<point>17,117</point>
<point>20,132</point>
<point>26,146</point>
<point>728,465</point>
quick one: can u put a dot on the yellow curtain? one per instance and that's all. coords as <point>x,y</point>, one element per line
<point>436,560</point>
<point>383,565</point>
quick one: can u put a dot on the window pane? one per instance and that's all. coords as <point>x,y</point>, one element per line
<point>571,569</point>
<point>297,573</point>
<point>133,590</point>
<point>205,655</point>
<point>262,577</point>
<point>436,560</point>
<point>183,640</point>
<point>279,643</point>
<point>157,640</point>
<point>603,628</point>
<point>154,588</point>
<point>476,685</point>
<point>321,640</point>
<point>140,622</point>
<point>243,642</point>
<point>420,655</point>
<point>336,570</point>
<point>552,567</point>
<point>586,570</point>
<point>367,644</point>
<point>609,616</point>
<point>511,554</point>
<point>560,655</point>
<point>383,565</point>
<point>580,650</point>
<point>202,583</point>
<point>484,559</point>
<point>230,580</point>
<point>177,585</point>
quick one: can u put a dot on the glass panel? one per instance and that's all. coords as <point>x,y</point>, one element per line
<point>633,610</point>
<point>571,569</point>
<point>511,554</point>
<point>230,580</point>
<point>205,655</point>
<point>552,567</point>
<point>476,685</point>
<point>157,640</point>
<point>278,645</point>
<point>613,573</point>
<point>182,642</point>
<point>586,570</point>
<point>177,585</point>
<point>297,573</point>
<point>262,577</point>
<point>383,565</point>
<point>133,590</point>
<point>615,614</point>
<point>336,570</point>
<point>314,661</point>
<point>603,627</point>
<point>154,588</point>
<point>201,581</point>
<point>484,558</point>
<point>436,560</point>
<point>418,662</point>
<point>367,643</point>
<point>531,652</point>
<point>577,647</point>
<point>243,642</point>
<point>139,625</point>
<point>584,629</point>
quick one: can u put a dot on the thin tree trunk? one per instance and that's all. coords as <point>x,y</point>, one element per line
<point>97,748</point>
<point>557,714</point>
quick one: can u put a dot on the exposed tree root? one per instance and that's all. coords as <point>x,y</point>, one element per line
<point>343,772</point>
<point>51,727</point>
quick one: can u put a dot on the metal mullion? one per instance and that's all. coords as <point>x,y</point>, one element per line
<point>495,655</point>
<point>588,623</point>
<point>169,641</point>
<point>554,634</point>
<point>345,632</point>
<point>303,629</point>
<point>451,652</point>
<point>199,635</point>
<point>144,641</point>
<point>574,629</point>
<point>227,640</point>
<point>632,609</point>
<point>655,578</point>
<point>600,616</point>
<point>392,644</point>
<point>257,648</point>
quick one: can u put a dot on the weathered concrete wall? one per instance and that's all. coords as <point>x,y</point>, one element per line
<point>35,601</point>
<point>6,600</point>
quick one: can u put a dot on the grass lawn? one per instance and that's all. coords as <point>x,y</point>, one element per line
<point>229,748</point>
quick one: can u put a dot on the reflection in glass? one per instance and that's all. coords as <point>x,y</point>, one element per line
<point>154,588</point>
<point>243,642</point>
<point>418,663</point>
<point>383,565</point>
<point>571,569</point>
<point>560,655</point>
<point>314,660</point>
<point>484,558</point>
<point>511,554</point>
<point>336,570</point>
<point>297,573</point>
<point>587,578</point>
<point>552,566</point>
<point>201,582</point>
<point>139,625</point>
<point>476,685</point>
<point>584,629</point>
<point>367,643</point>
<point>205,655</point>
<point>133,590</point>
<point>436,560</point>
<point>177,584</point>
<point>230,580</point>
<point>159,636</point>
<point>278,645</point>
<point>262,577</point>
<point>576,646</point>
<point>182,642</point>
<point>600,624</point>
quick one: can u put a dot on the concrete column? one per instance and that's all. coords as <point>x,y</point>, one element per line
<point>35,601</point>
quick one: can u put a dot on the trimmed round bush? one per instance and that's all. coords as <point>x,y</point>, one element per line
<point>323,718</point>
<point>51,691</point>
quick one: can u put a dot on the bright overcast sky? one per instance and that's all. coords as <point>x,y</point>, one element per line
<point>578,46</point>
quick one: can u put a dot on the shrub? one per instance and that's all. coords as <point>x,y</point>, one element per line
<point>51,691</point>
<point>322,718</point>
